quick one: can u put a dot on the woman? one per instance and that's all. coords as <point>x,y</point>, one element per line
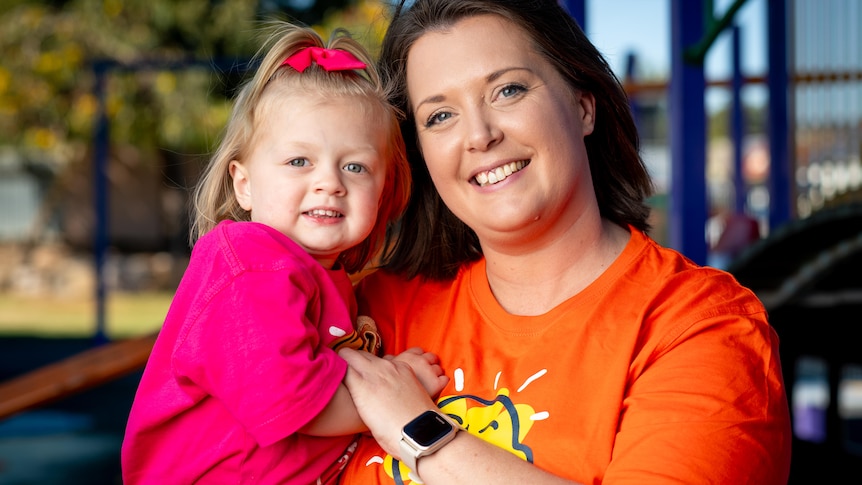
<point>579,350</point>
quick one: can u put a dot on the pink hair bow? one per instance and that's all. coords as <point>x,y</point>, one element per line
<point>329,59</point>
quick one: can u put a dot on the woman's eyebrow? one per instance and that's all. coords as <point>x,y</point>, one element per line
<point>439,98</point>
<point>498,74</point>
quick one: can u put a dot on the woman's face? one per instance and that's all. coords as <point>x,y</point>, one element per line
<point>500,130</point>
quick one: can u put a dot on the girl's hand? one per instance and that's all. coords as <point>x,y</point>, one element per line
<point>427,368</point>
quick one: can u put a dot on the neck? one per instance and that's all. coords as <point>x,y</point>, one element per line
<point>534,280</point>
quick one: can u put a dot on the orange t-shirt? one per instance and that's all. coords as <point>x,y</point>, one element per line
<point>659,372</point>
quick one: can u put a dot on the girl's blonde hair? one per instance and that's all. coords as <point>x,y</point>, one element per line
<point>214,199</point>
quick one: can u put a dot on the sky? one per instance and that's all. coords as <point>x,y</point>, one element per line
<point>618,27</point>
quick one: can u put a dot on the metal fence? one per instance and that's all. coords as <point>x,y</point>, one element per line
<point>827,97</point>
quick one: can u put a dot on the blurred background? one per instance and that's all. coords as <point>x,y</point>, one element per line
<point>109,109</point>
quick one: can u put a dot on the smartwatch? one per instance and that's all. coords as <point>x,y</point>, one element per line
<point>426,434</point>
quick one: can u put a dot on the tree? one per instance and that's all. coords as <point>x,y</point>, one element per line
<point>172,69</point>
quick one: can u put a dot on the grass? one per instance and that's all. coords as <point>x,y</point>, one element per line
<point>126,315</point>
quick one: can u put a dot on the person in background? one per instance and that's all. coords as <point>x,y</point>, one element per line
<point>729,234</point>
<point>244,384</point>
<point>578,349</point>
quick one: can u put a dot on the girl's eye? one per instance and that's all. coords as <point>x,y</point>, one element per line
<point>354,167</point>
<point>437,118</point>
<point>511,90</point>
<point>299,162</point>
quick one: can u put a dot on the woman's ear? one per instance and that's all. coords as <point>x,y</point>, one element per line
<point>241,184</point>
<point>587,104</point>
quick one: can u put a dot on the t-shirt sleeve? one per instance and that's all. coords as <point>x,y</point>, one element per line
<point>255,350</point>
<point>714,380</point>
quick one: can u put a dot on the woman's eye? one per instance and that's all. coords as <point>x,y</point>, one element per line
<point>512,90</point>
<point>298,162</point>
<point>354,167</point>
<point>437,118</point>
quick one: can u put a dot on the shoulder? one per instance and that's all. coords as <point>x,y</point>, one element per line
<point>682,303</point>
<point>251,246</point>
<point>667,270</point>
<point>673,294</point>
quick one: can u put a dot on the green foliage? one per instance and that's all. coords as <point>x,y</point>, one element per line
<point>173,67</point>
<point>160,73</point>
<point>48,101</point>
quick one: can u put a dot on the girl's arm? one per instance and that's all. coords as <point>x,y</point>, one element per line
<point>338,418</point>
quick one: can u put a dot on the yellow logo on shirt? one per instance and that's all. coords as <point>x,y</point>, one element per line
<point>498,421</point>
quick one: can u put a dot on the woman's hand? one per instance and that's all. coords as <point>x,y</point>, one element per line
<point>387,393</point>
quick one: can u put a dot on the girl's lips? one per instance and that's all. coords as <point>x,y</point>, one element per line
<point>500,173</point>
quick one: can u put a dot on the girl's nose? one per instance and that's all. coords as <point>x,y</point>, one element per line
<point>328,180</point>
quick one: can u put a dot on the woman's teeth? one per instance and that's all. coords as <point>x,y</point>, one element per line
<point>500,173</point>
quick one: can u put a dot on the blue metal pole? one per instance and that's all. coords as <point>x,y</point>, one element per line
<point>737,123</point>
<point>687,207</point>
<point>578,10</point>
<point>100,198</point>
<point>780,178</point>
<point>631,73</point>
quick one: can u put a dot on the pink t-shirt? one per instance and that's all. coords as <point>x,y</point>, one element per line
<point>241,363</point>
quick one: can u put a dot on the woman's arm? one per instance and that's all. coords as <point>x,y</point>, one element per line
<point>340,416</point>
<point>388,395</point>
<point>488,464</point>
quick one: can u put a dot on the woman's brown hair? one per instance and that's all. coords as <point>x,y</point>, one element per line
<point>431,241</point>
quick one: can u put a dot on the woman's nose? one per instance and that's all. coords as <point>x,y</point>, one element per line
<point>483,132</point>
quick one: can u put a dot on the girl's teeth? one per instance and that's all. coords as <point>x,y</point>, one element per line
<point>323,213</point>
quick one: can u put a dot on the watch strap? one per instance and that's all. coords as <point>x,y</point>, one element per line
<point>409,456</point>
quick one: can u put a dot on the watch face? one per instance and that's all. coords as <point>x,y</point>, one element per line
<point>428,428</point>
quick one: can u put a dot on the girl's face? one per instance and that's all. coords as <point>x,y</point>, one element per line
<point>501,132</point>
<point>315,171</point>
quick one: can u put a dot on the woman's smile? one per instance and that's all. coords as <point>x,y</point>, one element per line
<point>499,174</point>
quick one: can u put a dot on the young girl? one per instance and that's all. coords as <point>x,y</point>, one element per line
<point>243,385</point>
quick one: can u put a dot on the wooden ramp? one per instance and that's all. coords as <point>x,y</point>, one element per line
<point>74,374</point>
